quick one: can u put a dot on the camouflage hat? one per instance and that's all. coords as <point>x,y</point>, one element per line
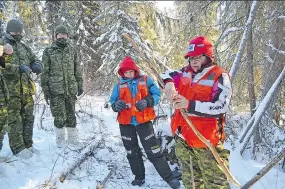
<point>61,29</point>
<point>14,25</point>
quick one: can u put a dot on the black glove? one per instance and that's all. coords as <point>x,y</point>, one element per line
<point>150,101</point>
<point>80,91</point>
<point>141,105</point>
<point>47,97</point>
<point>24,69</point>
<point>119,105</point>
<point>36,68</point>
<point>2,61</point>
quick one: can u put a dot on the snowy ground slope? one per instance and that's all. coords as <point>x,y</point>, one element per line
<point>96,123</point>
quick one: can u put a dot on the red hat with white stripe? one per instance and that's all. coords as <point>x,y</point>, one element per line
<point>198,46</point>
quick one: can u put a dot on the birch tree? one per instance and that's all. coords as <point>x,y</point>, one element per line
<point>249,23</point>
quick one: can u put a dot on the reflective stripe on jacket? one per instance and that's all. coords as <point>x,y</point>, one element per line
<point>124,117</point>
<point>211,128</point>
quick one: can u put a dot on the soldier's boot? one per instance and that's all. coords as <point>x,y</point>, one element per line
<point>72,138</point>
<point>174,183</point>
<point>138,182</point>
<point>60,137</point>
<point>34,151</point>
<point>25,154</point>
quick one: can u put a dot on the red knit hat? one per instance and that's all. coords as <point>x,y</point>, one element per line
<point>200,45</point>
<point>128,64</point>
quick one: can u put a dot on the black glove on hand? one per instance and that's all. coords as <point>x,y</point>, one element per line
<point>24,69</point>
<point>150,101</point>
<point>2,61</point>
<point>141,105</point>
<point>36,68</point>
<point>118,106</point>
<point>80,91</point>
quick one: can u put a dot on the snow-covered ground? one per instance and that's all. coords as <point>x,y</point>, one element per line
<point>98,128</point>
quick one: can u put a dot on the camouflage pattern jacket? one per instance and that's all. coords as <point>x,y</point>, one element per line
<point>62,73</point>
<point>19,84</point>
<point>4,93</point>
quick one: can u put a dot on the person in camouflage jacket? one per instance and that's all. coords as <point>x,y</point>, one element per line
<point>21,88</point>
<point>61,81</point>
<point>4,97</point>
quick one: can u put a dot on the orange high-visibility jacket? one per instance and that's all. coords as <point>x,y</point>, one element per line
<point>124,117</point>
<point>211,128</point>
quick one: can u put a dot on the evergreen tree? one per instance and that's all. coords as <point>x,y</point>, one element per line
<point>116,21</point>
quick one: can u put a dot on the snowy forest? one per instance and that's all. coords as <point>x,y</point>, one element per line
<point>249,43</point>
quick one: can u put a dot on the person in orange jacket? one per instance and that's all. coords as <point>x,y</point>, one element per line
<point>133,97</point>
<point>203,89</point>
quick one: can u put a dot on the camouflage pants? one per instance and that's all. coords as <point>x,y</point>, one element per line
<point>20,123</point>
<point>3,122</point>
<point>63,111</point>
<point>206,172</point>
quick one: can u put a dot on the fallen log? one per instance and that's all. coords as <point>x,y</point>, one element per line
<point>81,160</point>
<point>263,171</point>
<point>102,184</point>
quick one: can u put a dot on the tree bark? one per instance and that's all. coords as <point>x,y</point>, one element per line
<point>250,76</point>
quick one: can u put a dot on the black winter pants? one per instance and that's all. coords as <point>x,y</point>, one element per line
<point>151,147</point>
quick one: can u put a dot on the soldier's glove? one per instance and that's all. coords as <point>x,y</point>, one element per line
<point>2,61</point>
<point>80,91</point>
<point>118,106</point>
<point>24,69</point>
<point>36,68</point>
<point>141,105</point>
<point>150,101</point>
<point>47,97</point>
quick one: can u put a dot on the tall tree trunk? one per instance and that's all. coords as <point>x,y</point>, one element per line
<point>250,76</point>
<point>254,122</point>
<point>276,44</point>
<point>248,24</point>
<point>273,66</point>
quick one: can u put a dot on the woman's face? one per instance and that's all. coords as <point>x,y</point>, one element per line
<point>196,62</point>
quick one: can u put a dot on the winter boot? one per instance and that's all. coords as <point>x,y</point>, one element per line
<point>72,138</point>
<point>138,182</point>
<point>34,150</point>
<point>174,183</point>
<point>25,154</point>
<point>60,137</point>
